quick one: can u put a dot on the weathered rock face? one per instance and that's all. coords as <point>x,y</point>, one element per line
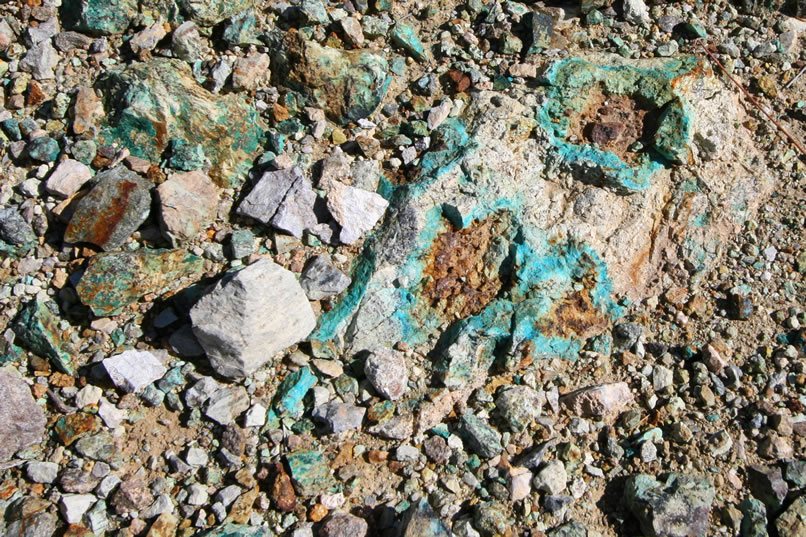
<point>347,85</point>
<point>159,101</point>
<point>522,235</point>
<point>22,422</point>
<point>114,280</point>
<point>239,323</point>
<point>680,507</point>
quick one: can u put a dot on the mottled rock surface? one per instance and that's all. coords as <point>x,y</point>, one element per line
<point>22,422</point>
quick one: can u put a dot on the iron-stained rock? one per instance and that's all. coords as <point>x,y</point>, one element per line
<point>239,324</point>
<point>36,327</point>
<point>22,422</point>
<point>114,280</point>
<point>678,507</point>
<point>117,204</point>
<point>154,102</point>
<point>347,85</point>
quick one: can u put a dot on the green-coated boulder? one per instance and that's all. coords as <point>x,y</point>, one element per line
<point>211,12</point>
<point>310,473</point>
<point>36,328</point>
<point>347,85</point>
<point>98,17</point>
<point>152,103</point>
<point>114,280</point>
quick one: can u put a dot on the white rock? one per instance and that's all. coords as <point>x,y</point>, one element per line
<point>357,211</point>
<point>196,456</point>
<point>604,400</point>
<point>88,395</point>
<point>132,371</point>
<point>229,494</point>
<point>439,113</point>
<point>251,315</point>
<point>42,472</point>
<point>73,506</point>
<point>520,480</point>
<point>112,415</point>
<point>163,504</point>
<point>68,177</point>
<point>636,12</point>
<point>386,371</point>
<point>551,478</point>
<point>255,416</point>
<point>197,494</point>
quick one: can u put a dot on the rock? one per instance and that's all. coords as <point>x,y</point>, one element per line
<point>357,211</point>
<point>551,478</point>
<point>164,526</point>
<point>569,529</point>
<point>636,12</point>
<point>490,519</point>
<point>347,85</point>
<point>421,521</point>
<point>238,323</point>
<point>399,427</point>
<point>40,61</point>
<point>112,281</point>
<point>282,490</point>
<point>117,204</point>
<point>186,42</point>
<point>196,494</point>
<point>309,472</point>
<point>132,495</point>
<point>520,483</point>
<point>405,37</point>
<point>481,438</point>
<point>352,31</point>
<point>767,484</point>
<point>320,279</point>
<point>602,401</point>
<point>288,398</point>
<point>86,110</point>
<point>775,447</point>
<point>147,38</point>
<point>438,114</point>
<point>74,506</point>
<point>792,522</point>
<point>22,422</point>
<point>69,176</point>
<point>251,72</point>
<point>387,372</point>
<point>539,29</point>
<point>285,199</point>
<point>98,17</point>
<point>132,370</point>
<point>625,336</point>
<point>14,229</point>
<point>754,518</point>
<point>161,96</point>
<point>42,472</point>
<point>37,328</point>
<point>340,417</point>
<point>518,405</point>
<point>211,12</point>
<point>188,204</point>
<point>237,530</point>
<point>226,404</point>
<point>341,524</point>
<point>43,149</point>
<point>680,507</point>
<point>437,449</point>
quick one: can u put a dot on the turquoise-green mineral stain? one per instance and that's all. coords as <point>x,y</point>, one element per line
<point>155,102</point>
<point>186,156</point>
<point>37,328</point>
<point>570,86</point>
<point>237,530</point>
<point>291,392</point>
<point>99,17</point>
<point>309,472</point>
<point>405,37</point>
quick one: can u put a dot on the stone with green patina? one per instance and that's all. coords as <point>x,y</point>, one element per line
<point>679,506</point>
<point>154,102</point>
<point>98,17</point>
<point>237,530</point>
<point>44,149</point>
<point>480,436</point>
<point>405,37</point>
<point>290,393</point>
<point>309,471</point>
<point>185,155</point>
<point>347,85</point>
<point>113,281</point>
<point>211,12</point>
<point>421,521</point>
<point>37,328</point>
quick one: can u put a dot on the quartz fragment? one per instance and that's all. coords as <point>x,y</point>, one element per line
<point>132,371</point>
<point>356,210</point>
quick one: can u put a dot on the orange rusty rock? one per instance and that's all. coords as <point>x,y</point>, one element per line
<point>7,489</point>
<point>377,456</point>
<point>282,491</point>
<point>61,380</point>
<point>317,513</point>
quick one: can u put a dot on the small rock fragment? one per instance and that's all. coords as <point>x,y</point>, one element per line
<point>340,417</point>
<point>132,370</point>
<point>605,400</point>
<point>341,524</point>
<point>387,372</point>
<point>680,507</point>
<point>356,210</point>
<point>188,204</point>
<point>22,422</point>
<point>481,438</point>
<point>69,176</point>
<point>321,280</point>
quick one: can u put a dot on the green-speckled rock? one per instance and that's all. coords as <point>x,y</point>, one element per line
<point>421,521</point>
<point>754,518</point>
<point>37,329</point>
<point>114,280</point>
<point>211,12</point>
<point>309,472</point>
<point>480,437</point>
<point>98,17</point>
<point>347,85</point>
<point>405,37</point>
<point>569,529</point>
<point>44,149</point>
<point>237,530</point>
<point>678,507</point>
<point>151,103</point>
<point>113,209</point>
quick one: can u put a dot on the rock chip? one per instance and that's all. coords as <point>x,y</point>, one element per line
<point>480,437</point>
<point>69,176</point>
<point>22,421</point>
<point>133,370</point>
<point>678,507</point>
<point>320,279</point>
<point>74,506</point>
<point>226,404</point>
<point>518,405</point>
<point>14,229</point>
<point>285,199</point>
<point>357,211</point>
<point>188,204</point>
<point>250,72</point>
<point>117,204</point>
<point>309,472</point>
<point>340,524</point>
<point>767,484</point>
<point>340,417</point>
<point>239,324</point>
<point>792,522</point>
<point>604,400</point>
<point>42,472</point>
<point>37,328</point>
<point>387,372</point>
<point>40,61</point>
<point>551,478</point>
<point>421,521</point>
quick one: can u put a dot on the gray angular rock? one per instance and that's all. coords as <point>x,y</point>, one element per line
<point>636,11</point>
<point>340,417</point>
<point>73,506</point>
<point>227,404</point>
<point>42,472</point>
<point>518,405</point>
<point>678,507</point>
<point>754,518</point>
<point>767,484</point>
<point>22,421</point>
<point>357,211</point>
<point>13,227</point>
<point>40,61</point>
<point>386,371</point>
<point>551,478</point>
<point>480,437</point>
<point>132,370</point>
<point>341,524</point>
<point>284,199</point>
<point>321,280</point>
<point>239,323</point>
